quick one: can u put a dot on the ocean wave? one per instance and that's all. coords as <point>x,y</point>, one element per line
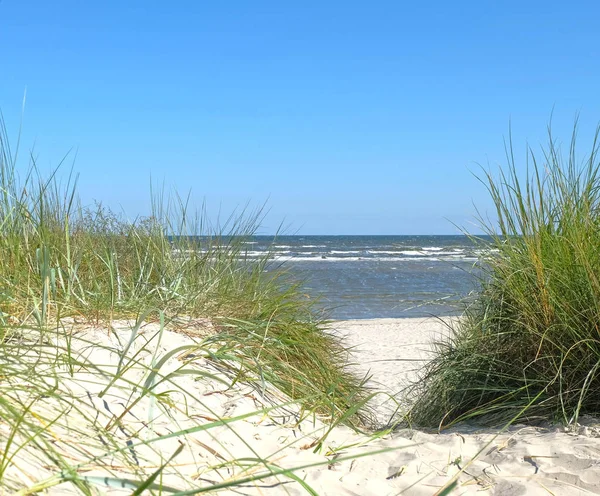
<point>447,253</point>
<point>255,253</point>
<point>411,253</point>
<point>325,258</point>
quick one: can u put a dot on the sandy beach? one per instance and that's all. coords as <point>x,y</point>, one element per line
<point>390,352</point>
<point>299,248</point>
<point>221,423</point>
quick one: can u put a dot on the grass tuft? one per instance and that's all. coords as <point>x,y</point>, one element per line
<point>529,346</point>
<point>67,267</point>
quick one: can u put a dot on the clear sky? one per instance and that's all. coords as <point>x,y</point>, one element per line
<point>348,117</point>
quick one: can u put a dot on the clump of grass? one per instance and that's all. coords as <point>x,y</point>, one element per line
<point>260,345</point>
<point>61,258</point>
<point>528,348</point>
<point>70,414</point>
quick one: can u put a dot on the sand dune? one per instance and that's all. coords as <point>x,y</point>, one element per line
<point>523,460</point>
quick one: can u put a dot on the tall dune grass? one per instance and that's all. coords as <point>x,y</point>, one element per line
<point>529,346</point>
<point>60,259</point>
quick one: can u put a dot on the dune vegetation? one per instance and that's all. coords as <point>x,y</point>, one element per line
<point>134,353</point>
<point>528,347</point>
<point>68,270</point>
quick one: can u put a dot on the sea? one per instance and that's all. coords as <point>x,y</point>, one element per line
<point>364,277</point>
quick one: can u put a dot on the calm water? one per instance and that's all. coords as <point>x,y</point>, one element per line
<point>379,276</point>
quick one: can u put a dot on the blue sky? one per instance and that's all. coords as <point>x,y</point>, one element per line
<point>347,117</point>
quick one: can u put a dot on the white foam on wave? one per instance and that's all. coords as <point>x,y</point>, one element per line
<point>325,258</point>
<point>396,252</point>
<point>254,253</point>
<point>448,253</point>
<point>412,253</point>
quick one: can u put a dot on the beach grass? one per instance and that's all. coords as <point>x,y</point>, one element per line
<point>72,414</point>
<point>68,267</point>
<point>528,347</point>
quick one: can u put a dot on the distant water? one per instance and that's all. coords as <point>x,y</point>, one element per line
<point>360,277</point>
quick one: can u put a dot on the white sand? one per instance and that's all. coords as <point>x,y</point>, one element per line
<point>524,460</point>
<point>390,352</point>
